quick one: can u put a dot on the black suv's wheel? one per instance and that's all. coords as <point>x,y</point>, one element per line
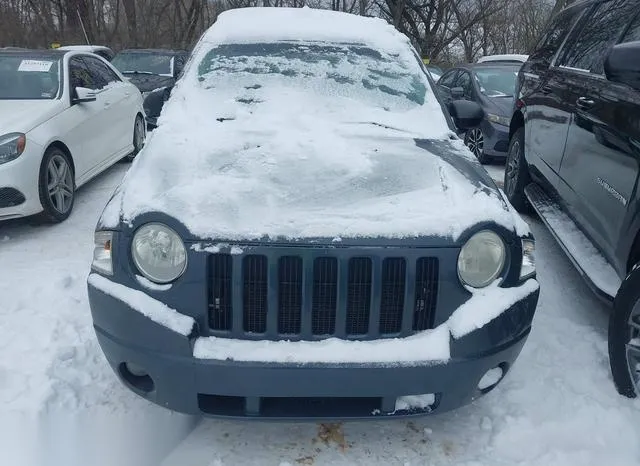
<point>56,186</point>
<point>516,174</point>
<point>139,133</point>
<point>624,337</point>
<point>474,140</point>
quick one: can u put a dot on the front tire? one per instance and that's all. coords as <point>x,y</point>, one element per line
<point>139,134</point>
<point>516,174</point>
<point>624,337</point>
<point>474,140</point>
<point>56,186</point>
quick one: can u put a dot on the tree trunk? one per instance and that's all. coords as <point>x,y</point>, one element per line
<point>132,23</point>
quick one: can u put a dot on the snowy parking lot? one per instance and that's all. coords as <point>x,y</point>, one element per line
<point>60,404</point>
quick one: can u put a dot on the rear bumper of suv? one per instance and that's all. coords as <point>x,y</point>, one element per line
<point>172,377</point>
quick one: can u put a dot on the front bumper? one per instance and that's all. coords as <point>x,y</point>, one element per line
<point>19,184</point>
<point>496,139</point>
<point>226,388</point>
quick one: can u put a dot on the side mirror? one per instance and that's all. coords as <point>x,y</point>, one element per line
<point>466,114</point>
<point>622,65</point>
<point>84,94</point>
<point>457,93</point>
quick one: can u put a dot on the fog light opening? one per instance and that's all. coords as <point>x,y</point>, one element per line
<point>492,378</point>
<point>136,377</point>
<point>417,403</point>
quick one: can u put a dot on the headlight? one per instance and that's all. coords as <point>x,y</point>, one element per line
<point>102,260</point>
<point>481,259</point>
<point>501,120</point>
<point>528,268</point>
<point>159,253</point>
<point>11,146</point>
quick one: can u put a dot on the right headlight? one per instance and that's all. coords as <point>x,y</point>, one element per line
<point>481,259</point>
<point>11,146</point>
<point>159,253</point>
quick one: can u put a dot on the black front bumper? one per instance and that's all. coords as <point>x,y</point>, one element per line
<point>293,391</point>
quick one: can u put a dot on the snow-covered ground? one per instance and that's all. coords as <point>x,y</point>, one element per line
<point>60,404</point>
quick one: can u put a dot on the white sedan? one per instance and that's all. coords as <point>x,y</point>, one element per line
<point>65,117</point>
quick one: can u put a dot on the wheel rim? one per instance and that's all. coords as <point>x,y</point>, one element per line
<point>138,138</point>
<point>633,347</point>
<point>60,184</point>
<point>513,167</point>
<point>475,142</point>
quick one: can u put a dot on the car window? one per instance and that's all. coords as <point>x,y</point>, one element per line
<point>27,77</point>
<point>600,30</point>
<point>464,81</point>
<point>101,73</point>
<point>79,75</point>
<point>633,33</point>
<point>107,73</point>
<point>555,34</point>
<point>499,81</point>
<point>448,78</point>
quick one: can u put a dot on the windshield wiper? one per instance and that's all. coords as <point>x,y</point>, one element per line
<point>137,72</point>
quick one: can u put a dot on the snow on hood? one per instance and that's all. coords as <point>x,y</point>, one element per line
<point>24,115</point>
<point>284,148</point>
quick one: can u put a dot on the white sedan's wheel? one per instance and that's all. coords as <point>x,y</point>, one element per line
<point>139,134</point>
<point>56,185</point>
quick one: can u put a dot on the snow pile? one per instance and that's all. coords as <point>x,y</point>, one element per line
<point>485,305</point>
<point>144,304</point>
<point>407,403</point>
<point>260,25</point>
<point>428,346</point>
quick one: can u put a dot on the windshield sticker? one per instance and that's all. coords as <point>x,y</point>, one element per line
<point>35,65</point>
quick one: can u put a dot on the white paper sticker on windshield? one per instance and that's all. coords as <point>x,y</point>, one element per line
<point>35,65</point>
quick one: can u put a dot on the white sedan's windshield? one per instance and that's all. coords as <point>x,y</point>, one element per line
<point>29,77</point>
<point>343,70</point>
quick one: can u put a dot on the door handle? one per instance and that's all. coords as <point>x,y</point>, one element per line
<point>107,104</point>
<point>584,103</point>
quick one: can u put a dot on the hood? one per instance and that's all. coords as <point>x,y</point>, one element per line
<point>503,106</point>
<point>150,82</point>
<point>256,167</point>
<point>21,116</point>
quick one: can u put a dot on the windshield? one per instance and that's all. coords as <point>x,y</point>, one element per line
<point>27,77</point>
<point>498,81</point>
<point>148,63</point>
<point>344,70</point>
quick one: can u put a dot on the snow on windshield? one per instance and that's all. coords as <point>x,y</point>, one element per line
<point>331,70</point>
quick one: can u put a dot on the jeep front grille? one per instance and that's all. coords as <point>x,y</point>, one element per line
<point>313,295</point>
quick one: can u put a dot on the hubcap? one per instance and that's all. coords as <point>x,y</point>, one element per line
<point>60,184</point>
<point>633,347</point>
<point>475,142</point>
<point>513,167</point>
<point>139,136</point>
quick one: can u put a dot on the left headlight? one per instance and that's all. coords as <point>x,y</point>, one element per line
<point>501,120</point>
<point>11,146</point>
<point>481,259</point>
<point>159,253</point>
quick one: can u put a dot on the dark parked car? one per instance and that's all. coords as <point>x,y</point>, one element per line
<point>315,250</point>
<point>154,72</point>
<point>575,155</point>
<point>491,85</point>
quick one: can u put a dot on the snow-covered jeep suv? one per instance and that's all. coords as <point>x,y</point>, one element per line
<point>304,236</point>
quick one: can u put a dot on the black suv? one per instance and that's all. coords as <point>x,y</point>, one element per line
<point>574,156</point>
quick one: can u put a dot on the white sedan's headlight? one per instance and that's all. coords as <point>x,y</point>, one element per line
<point>11,146</point>
<point>159,253</point>
<point>481,259</point>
